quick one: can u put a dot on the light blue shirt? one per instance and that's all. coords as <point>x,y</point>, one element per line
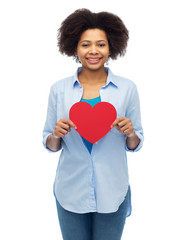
<point>97,181</point>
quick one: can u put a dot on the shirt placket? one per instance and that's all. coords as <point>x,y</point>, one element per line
<point>92,191</point>
<point>93,203</point>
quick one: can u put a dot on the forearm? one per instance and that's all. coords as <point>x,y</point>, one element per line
<point>132,141</point>
<point>53,143</point>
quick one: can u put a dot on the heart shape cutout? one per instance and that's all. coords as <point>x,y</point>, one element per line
<point>93,123</point>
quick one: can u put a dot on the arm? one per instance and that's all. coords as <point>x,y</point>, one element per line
<point>125,126</point>
<point>53,143</point>
<point>130,125</point>
<point>53,131</point>
<point>63,126</point>
<point>132,141</point>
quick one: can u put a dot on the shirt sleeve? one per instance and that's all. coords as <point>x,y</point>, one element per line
<point>51,117</point>
<point>134,114</point>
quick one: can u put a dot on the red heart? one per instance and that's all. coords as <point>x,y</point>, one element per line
<point>93,123</point>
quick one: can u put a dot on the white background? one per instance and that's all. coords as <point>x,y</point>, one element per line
<point>30,63</point>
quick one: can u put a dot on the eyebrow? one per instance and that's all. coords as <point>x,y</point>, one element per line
<point>90,41</point>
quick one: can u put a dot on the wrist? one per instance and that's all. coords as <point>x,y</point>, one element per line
<point>131,134</point>
<point>54,135</point>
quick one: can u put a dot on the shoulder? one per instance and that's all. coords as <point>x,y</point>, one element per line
<point>124,85</point>
<point>119,80</point>
<point>123,81</point>
<point>63,83</point>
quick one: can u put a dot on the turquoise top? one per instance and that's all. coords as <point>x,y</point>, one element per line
<point>92,102</point>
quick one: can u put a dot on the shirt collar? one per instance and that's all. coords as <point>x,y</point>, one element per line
<point>110,79</point>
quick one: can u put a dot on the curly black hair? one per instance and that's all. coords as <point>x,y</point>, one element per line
<point>76,23</point>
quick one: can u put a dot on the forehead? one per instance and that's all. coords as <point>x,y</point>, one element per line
<point>94,34</point>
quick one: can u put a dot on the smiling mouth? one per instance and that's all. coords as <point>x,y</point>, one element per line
<point>93,60</point>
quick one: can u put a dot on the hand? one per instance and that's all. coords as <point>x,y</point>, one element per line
<point>124,125</point>
<point>63,126</point>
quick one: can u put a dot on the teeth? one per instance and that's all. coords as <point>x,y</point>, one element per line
<point>93,59</point>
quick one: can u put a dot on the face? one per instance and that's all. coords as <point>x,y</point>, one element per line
<point>93,49</point>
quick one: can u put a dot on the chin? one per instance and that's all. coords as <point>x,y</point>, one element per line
<point>93,67</point>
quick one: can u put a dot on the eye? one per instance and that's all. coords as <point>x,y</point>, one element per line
<point>102,44</point>
<point>85,45</point>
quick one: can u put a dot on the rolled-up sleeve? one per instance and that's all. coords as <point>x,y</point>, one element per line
<point>51,117</point>
<point>134,114</point>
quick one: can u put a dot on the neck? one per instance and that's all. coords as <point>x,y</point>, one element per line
<point>95,76</point>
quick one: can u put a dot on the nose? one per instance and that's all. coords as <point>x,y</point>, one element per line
<point>93,50</point>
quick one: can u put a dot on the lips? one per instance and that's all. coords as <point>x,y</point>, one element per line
<point>94,60</point>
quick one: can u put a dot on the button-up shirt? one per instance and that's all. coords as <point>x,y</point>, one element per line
<point>97,181</point>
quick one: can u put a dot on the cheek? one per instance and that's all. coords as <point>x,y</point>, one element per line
<point>106,56</point>
<point>106,52</point>
<point>81,54</point>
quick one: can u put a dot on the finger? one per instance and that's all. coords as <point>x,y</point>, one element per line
<point>117,127</point>
<point>63,125</point>
<point>71,124</point>
<point>125,128</point>
<point>121,129</point>
<point>126,131</point>
<point>60,132</point>
<point>123,123</point>
<point>63,131</point>
<point>117,121</point>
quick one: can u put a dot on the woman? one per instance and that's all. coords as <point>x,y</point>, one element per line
<point>91,187</point>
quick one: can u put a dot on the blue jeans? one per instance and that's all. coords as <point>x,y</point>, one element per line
<point>93,225</point>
